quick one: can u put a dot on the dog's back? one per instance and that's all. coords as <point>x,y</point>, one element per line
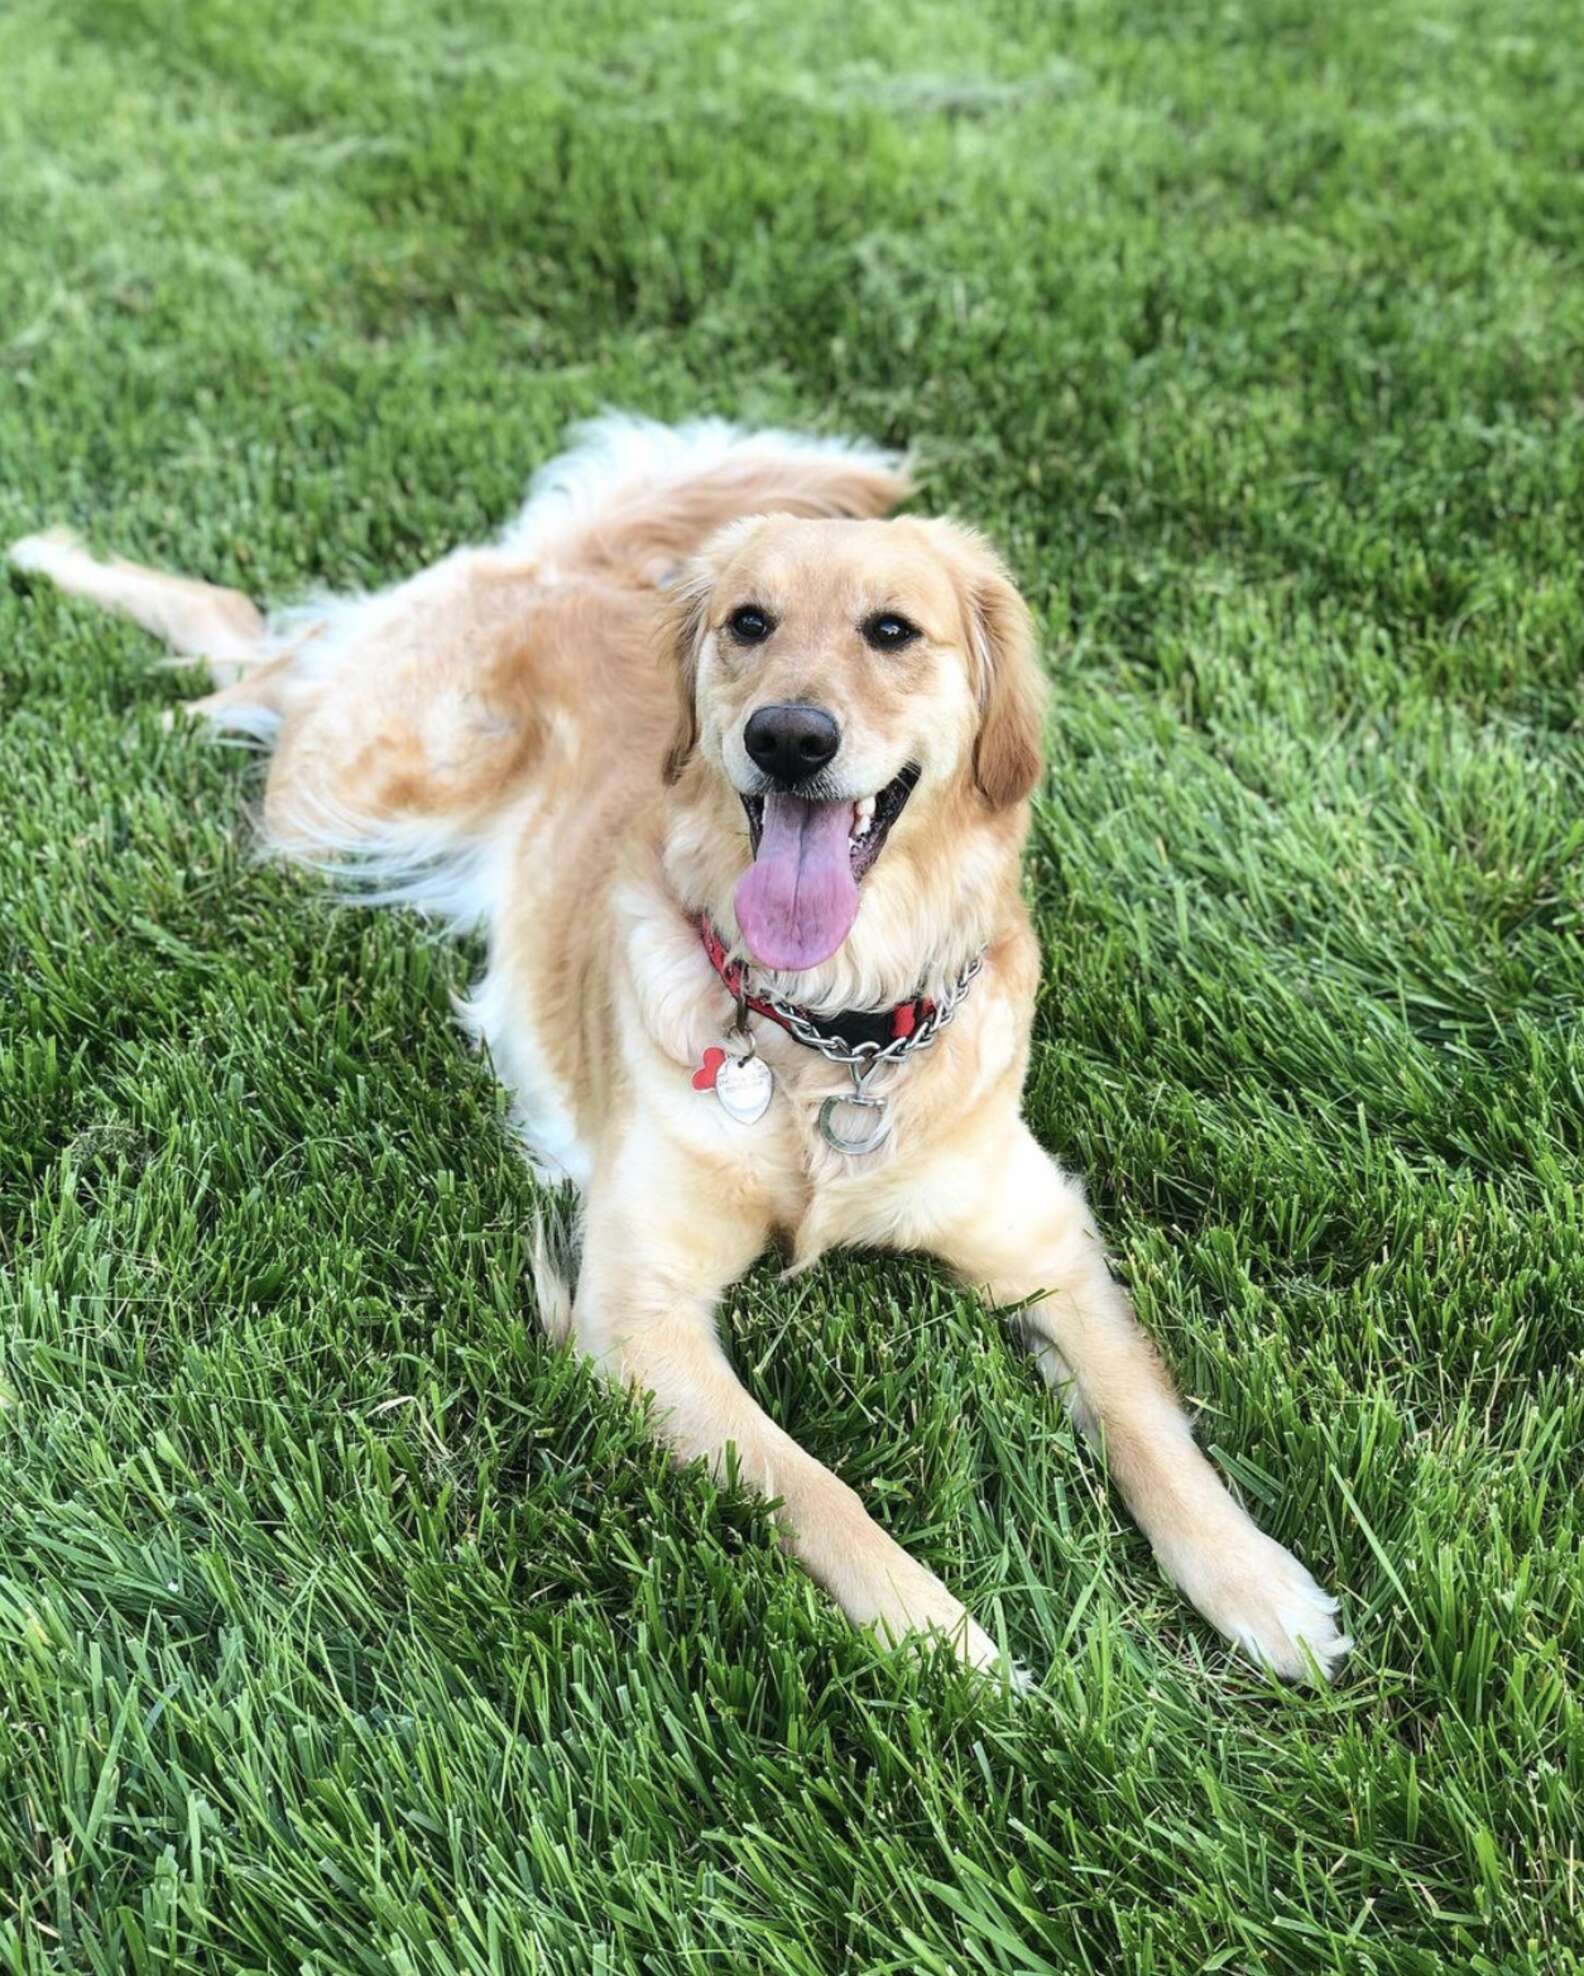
<point>404,723</point>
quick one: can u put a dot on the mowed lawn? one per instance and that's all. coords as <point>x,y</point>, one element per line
<point>344,1626</point>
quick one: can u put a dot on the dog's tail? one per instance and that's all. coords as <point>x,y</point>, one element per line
<point>638,498</point>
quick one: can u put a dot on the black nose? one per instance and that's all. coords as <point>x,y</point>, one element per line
<point>791,742</point>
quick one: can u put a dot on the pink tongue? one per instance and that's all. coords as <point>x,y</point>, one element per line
<point>796,904</point>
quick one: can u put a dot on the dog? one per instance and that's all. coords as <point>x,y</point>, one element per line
<point>733,767</point>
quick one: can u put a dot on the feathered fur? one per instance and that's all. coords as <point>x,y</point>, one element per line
<point>544,737</point>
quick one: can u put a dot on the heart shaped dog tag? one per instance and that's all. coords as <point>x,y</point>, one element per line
<point>744,1085</point>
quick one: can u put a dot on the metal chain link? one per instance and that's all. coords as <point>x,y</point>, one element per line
<point>865,1058</point>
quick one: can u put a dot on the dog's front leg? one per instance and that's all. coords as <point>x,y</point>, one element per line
<point>1018,1229</point>
<point>662,1240</point>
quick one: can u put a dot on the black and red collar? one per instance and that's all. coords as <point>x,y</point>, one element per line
<point>849,1026</point>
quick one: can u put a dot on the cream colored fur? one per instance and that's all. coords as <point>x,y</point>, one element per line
<point>543,738</point>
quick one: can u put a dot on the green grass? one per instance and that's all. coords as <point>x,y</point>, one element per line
<point>345,1627</point>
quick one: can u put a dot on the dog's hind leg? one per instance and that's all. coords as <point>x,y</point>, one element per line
<point>389,732</point>
<point>200,622</point>
<point>197,620</point>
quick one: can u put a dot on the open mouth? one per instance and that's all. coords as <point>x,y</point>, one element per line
<point>872,818</point>
<point>798,899</point>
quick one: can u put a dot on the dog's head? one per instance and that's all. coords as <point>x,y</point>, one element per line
<point>853,683</point>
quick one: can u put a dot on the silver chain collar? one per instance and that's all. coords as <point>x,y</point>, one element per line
<point>870,1055</point>
<point>861,1059</point>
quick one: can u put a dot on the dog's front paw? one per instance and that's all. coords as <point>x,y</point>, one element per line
<point>1261,1597</point>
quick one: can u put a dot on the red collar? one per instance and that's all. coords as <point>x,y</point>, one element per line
<point>851,1026</point>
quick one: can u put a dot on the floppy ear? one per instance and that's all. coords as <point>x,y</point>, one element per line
<point>1007,676</point>
<point>1009,752</point>
<point>689,614</point>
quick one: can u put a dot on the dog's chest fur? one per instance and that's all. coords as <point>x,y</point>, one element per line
<point>663,1010</point>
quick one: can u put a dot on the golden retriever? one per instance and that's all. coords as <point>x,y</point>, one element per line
<point>734,774</point>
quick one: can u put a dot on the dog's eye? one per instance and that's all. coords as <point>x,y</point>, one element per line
<point>887,632</point>
<point>750,625</point>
